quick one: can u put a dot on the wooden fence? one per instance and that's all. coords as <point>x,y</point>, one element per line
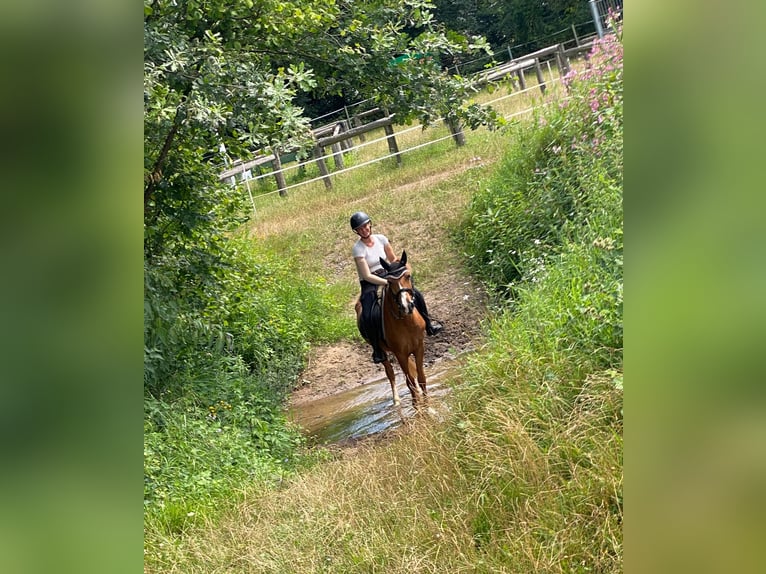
<point>338,135</point>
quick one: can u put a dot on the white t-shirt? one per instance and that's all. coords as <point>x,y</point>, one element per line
<point>372,254</point>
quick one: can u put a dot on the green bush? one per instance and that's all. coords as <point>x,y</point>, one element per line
<point>562,170</point>
<point>224,345</point>
<point>196,458</point>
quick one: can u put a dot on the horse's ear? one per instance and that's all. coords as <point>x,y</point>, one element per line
<point>385,264</point>
<point>403,258</point>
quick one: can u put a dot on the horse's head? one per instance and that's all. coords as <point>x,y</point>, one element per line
<point>400,283</point>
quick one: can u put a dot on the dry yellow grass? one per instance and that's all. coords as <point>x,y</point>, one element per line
<point>488,498</point>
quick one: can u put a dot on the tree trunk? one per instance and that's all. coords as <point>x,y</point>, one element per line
<point>457,131</point>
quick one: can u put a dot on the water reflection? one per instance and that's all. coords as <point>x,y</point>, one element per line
<point>365,410</point>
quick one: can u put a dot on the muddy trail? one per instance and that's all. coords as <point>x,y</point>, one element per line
<point>342,397</point>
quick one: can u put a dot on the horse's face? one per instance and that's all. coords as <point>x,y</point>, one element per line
<point>401,290</point>
<point>400,283</point>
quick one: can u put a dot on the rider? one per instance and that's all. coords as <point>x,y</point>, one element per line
<point>367,251</point>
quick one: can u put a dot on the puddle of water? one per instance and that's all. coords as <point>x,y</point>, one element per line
<point>363,411</point>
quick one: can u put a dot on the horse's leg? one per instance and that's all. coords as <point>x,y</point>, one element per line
<point>419,353</point>
<point>404,363</point>
<point>413,372</point>
<point>392,379</point>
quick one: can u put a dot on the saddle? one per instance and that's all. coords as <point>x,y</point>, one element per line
<point>373,322</point>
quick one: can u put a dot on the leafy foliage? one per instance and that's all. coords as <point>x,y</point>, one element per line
<point>216,370</point>
<point>550,223</point>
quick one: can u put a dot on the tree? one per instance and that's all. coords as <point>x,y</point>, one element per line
<point>229,71</point>
<point>532,24</point>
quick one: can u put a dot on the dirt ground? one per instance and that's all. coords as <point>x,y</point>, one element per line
<point>458,304</point>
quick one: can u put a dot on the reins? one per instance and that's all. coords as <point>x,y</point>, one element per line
<point>401,314</point>
<point>395,275</point>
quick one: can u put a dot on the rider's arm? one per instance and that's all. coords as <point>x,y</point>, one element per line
<point>390,253</point>
<point>364,272</point>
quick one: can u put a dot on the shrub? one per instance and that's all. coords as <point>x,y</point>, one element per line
<point>557,174</point>
<point>224,344</point>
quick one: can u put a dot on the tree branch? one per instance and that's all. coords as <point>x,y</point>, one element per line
<point>156,174</point>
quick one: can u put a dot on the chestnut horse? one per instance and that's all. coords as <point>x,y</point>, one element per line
<point>404,329</point>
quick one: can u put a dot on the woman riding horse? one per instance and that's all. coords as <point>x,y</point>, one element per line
<point>368,250</point>
<point>403,329</point>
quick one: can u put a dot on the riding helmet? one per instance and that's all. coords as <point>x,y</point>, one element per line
<point>359,219</point>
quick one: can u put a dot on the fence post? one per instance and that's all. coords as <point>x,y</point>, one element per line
<point>562,60</point>
<point>318,153</point>
<point>337,156</point>
<point>574,33</point>
<point>392,147</point>
<point>596,18</point>
<point>358,124</point>
<point>278,173</point>
<point>345,144</point>
<point>250,193</point>
<point>539,72</point>
<point>522,79</point>
<point>513,82</point>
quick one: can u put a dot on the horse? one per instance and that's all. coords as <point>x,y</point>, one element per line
<point>404,329</point>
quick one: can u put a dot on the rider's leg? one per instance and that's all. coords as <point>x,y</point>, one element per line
<point>371,320</point>
<point>432,326</point>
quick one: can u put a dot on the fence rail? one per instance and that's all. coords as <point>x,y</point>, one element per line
<point>339,134</point>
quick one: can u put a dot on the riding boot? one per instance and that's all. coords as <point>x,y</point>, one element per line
<point>378,355</point>
<point>373,338</point>
<point>432,327</point>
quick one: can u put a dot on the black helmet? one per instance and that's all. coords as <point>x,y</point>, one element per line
<point>359,219</point>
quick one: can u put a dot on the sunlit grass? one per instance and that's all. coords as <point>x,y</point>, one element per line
<point>488,498</point>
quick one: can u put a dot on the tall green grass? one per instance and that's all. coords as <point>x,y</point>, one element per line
<point>213,418</point>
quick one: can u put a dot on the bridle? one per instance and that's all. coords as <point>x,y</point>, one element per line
<point>397,295</point>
